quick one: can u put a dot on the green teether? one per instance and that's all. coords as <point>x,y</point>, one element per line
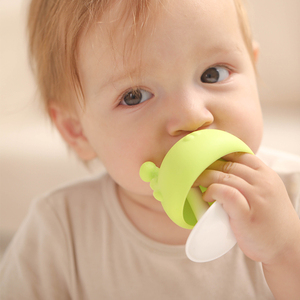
<point>182,165</point>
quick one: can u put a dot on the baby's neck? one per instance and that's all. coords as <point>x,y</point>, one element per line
<point>149,218</point>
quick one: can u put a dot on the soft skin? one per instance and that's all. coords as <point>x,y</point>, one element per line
<point>262,217</point>
<point>189,37</point>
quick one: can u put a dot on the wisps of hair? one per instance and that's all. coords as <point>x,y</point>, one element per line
<point>245,27</point>
<point>55,27</point>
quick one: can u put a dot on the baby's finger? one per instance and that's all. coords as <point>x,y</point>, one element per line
<point>237,169</point>
<point>246,159</point>
<point>209,177</point>
<point>233,202</point>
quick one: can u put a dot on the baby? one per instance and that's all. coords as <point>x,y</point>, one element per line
<point>123,81</point>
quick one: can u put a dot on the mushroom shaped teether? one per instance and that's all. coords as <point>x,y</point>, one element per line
<point>172,183</point>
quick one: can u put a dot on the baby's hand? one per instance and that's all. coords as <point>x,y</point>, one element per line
<point>261,214</point>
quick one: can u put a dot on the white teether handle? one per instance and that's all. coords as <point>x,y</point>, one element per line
<point>211,237</point>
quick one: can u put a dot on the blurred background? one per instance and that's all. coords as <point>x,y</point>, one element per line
<point>33,158</point>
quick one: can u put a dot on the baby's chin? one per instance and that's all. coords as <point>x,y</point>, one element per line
<point>140,189</point>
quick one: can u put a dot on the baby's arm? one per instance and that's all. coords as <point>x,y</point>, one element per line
<point>262,217</point>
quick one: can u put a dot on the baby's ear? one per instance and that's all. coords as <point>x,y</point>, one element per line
<point>256,50</point>
<point>69,126</point>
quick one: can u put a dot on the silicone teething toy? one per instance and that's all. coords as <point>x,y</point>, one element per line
<point>171,183</point>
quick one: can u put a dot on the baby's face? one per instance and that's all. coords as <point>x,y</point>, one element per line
<point>195,73</point>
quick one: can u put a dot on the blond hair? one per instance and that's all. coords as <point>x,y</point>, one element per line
<point>55,27</point>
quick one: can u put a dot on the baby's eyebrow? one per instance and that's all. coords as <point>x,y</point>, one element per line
<point>122,76</point>
<point>225,49</point>
<point>126,74</point>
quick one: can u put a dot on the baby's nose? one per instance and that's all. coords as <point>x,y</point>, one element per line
<point>187,115</point>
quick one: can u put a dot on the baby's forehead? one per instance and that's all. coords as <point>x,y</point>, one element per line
<point>123,33</point>
<point>121,20</point>
<point>120,32</point>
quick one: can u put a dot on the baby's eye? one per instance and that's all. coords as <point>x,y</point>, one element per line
<point>215,74</point>
<point>135,96</point>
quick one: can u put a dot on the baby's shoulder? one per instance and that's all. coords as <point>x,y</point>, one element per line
<point>81,198</point>
<point>90,186</point>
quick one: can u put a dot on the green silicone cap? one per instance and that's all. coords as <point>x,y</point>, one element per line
<point>182,165</point>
